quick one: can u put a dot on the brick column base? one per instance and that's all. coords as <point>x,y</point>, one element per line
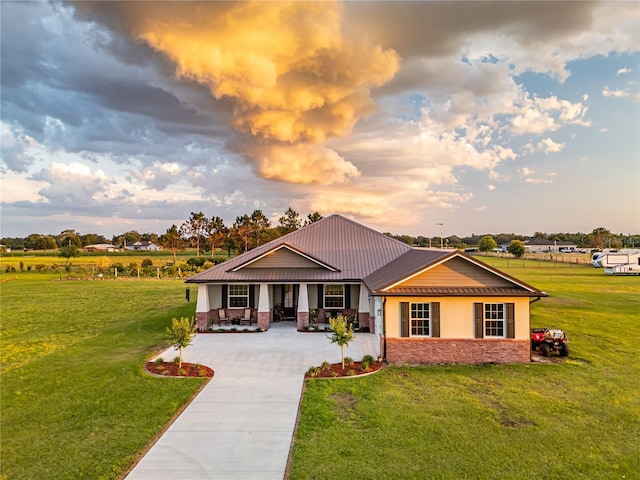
<point>202,321</point>
<point>303,320</point>
<point>442,350</point>
<point>263,320</point>
<point>364,320</point>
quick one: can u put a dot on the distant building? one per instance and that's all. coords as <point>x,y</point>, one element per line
<point>100,247</point>
<point>4,248</point>
<point>539,245</point>
<point>143,245</point>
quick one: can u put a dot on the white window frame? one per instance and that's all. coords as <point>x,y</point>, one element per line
<point>413,317</point>
<point>495,313</point>
<point>235,298</point>
<point>333,295</point>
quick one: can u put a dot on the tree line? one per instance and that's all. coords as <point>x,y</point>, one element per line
<point>207,234</point>
<point>199,232</point>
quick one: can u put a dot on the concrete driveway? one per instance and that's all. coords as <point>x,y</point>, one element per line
<point>240,426</point>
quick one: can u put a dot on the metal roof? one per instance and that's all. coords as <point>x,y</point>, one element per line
<point>419,260</point>
<point>355,250</point>
<point>460,292</point>
<point>345,251</point>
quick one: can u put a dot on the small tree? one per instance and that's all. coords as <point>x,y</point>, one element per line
<point>181,334</point>
<point>487,243</point>
<point>516,247</point>
<point>341,333</point>
<point>69,251</point>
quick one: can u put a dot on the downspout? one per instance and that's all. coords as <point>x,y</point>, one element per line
<point>384,329</point>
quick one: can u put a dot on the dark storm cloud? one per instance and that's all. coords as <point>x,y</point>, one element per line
<point>436,29</point>
<point>105,95</point>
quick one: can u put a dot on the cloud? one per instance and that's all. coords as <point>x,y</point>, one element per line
<point>549,146</point>
<point>159,175</point>
<point>293,77</point>
<point>538,115</point>
<point>72,183</point>
<point>537,181</point>
<point>17,148</point>
<point>606,92</point>
<point>623,70</point>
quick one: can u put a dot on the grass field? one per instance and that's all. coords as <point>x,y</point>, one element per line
<point>75,401</point>
<point>578,418</point>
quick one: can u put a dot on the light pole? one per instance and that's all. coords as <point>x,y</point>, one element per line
<point>441,237</point>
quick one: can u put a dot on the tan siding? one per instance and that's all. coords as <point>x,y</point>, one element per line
<point>456,315</point>
<point>284,258</point>
<point>456,272</point>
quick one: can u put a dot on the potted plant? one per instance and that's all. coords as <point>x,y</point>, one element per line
<point>314,317</point>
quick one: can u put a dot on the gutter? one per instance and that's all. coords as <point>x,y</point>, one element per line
<point>536,299</point>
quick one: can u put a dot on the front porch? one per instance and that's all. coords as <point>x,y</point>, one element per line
<point>240,305</point>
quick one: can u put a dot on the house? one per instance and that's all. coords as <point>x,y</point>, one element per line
<point>537,245</point>
<point>424,305</point>
<point>142,245</point>
<point>100,247</point>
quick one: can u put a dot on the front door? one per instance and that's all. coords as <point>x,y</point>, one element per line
<point>290,300</point>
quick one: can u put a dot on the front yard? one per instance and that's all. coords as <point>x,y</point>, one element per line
<point>575,418</point>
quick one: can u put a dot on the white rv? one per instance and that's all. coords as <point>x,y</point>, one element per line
<point>623,262</point>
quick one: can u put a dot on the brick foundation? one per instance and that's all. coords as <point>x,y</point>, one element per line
<point>443,350</point>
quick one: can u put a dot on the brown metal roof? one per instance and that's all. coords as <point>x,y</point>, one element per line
<point>355,253</point>
<point>462,292</point>
<point>418,260</point>
<point>355,250</point>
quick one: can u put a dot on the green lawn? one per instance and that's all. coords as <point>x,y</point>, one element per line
<point>76,404</point>
<point>578,418</point>
<point>75,401</point>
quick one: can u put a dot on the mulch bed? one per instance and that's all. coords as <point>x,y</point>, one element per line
<point>170,369</point>
<point>335,370</point>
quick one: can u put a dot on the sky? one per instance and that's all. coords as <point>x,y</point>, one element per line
<point>416,118</point>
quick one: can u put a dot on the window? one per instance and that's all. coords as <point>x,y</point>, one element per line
<point>494,324</point>
<point>420,319</point>
<point>334,296</point>
<point>238,296</point>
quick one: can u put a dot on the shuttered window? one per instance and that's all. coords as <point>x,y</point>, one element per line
<point>420,319</point>
<point>494,320</point>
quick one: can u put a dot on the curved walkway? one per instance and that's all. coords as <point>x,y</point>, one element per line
<point>240,426</point>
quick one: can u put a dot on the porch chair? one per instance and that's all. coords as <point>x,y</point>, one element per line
<point>246,320</point>
<point>222,317</point>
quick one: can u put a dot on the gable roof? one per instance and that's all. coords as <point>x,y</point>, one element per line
<point>336,249</point>
<point>346,251</point>
<point>394,278</point>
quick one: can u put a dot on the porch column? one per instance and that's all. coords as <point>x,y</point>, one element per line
<point>363,308</point>
<point>264,307</point>
<point>303,306</point>
<point>202,307</point>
